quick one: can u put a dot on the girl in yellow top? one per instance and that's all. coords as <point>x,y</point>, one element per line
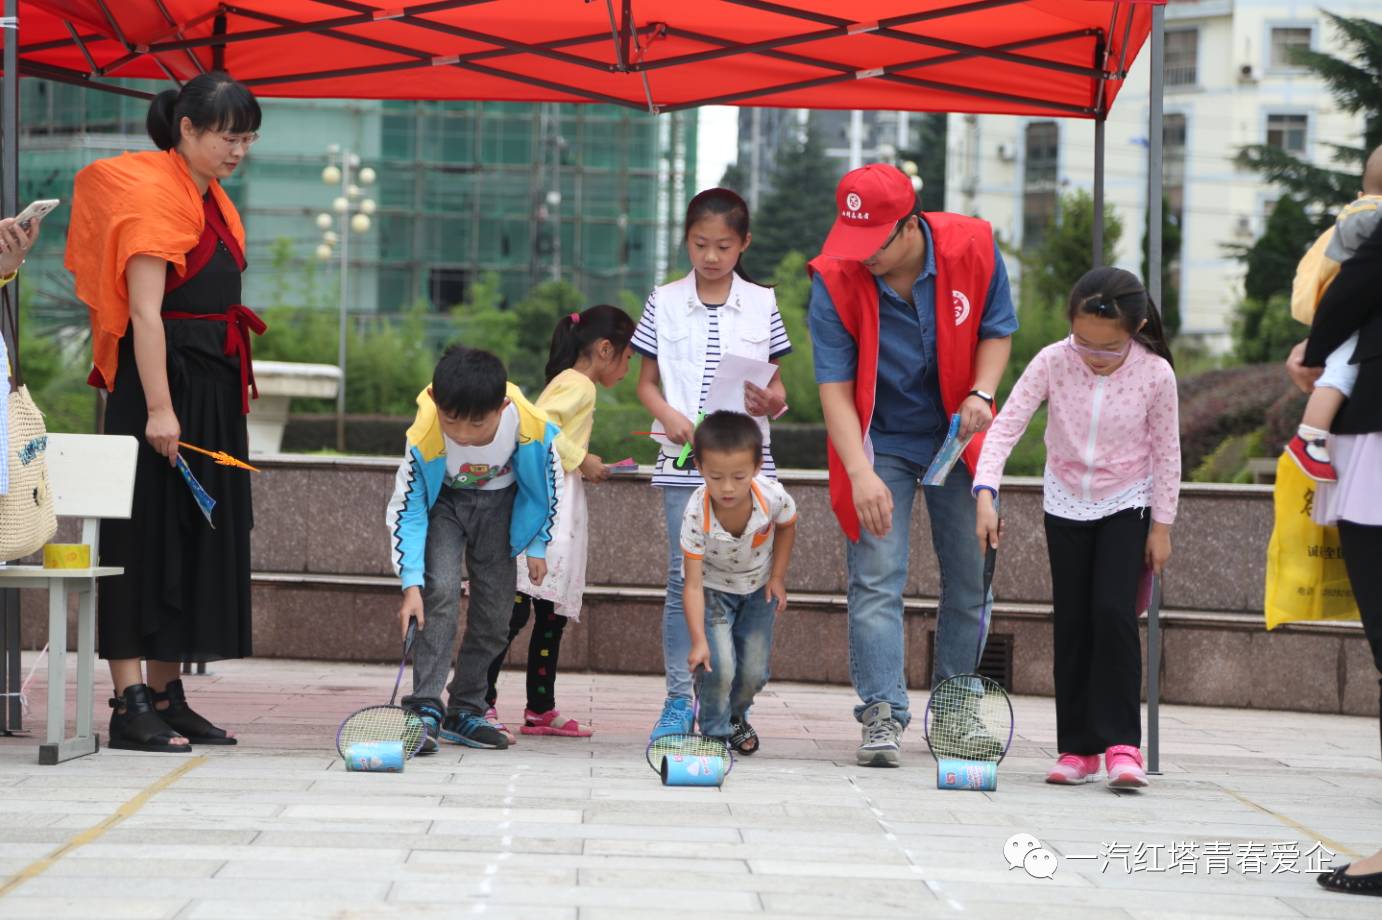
<point>587,349</point>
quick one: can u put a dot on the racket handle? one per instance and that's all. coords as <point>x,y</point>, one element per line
<point>409,637</point>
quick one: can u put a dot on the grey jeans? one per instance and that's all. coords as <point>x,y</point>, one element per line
<point>470,526</point>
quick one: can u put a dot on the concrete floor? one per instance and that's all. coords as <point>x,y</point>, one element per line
<point>1248,803</point>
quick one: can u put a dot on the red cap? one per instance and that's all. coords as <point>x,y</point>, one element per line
<point>871,200</point>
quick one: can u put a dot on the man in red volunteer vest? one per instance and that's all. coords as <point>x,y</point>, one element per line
<point>911,321</point>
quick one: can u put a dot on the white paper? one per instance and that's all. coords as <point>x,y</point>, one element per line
<point>727,387</point>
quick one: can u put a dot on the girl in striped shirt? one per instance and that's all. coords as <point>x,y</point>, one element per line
<point>687,326</point>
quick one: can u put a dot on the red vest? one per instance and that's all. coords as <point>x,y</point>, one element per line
<point>964,267</point>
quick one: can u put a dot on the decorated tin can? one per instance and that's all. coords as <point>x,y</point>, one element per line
<point>687,770</point>
<point>979,775</point>
<point>375,757</point>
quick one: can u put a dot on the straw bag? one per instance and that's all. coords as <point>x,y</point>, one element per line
<point>27,520</point>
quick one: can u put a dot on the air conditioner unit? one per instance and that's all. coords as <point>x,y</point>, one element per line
<point>1006,153</point>
<point>1247,73</point>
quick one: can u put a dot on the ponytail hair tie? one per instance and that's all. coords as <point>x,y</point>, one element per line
<point>575,319</point>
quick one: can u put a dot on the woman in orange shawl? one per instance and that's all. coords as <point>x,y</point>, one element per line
<point>157,250</point>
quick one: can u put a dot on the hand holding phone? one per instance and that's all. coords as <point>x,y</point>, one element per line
<point>37,210</point>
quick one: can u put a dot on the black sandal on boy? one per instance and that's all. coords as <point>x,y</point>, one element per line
<point>1339,880</point>
<point>135,726</point>
<point>742,737</point>
<point>186,722</point>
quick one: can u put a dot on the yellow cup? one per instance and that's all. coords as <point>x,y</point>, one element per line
<point>66,556</point>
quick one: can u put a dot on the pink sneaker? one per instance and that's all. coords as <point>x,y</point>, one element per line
<point>1123,763</point>
<point>1073,769</point>
<point>552,722</point>
<point>492,717</point>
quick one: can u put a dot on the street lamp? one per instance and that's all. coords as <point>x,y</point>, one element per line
<point>341,163</point>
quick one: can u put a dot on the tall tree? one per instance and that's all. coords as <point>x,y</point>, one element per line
<point>735,179</point>
<point>797,214</point>
<point>1051,269</point>
<point>1170,266</point>
<point>1271,261</point>
<point>930,158</point>
<point>1355,82</point>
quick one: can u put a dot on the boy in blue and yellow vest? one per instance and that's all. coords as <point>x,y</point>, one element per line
<point>480,483</point>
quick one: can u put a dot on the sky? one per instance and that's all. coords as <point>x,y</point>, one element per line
<point>718,143</point>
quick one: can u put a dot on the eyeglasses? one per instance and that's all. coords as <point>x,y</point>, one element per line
<point>892,236</point>
<point>240,140</point>
<point>1098,354</point>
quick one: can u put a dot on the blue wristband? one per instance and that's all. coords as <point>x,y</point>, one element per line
<point>989,489</point>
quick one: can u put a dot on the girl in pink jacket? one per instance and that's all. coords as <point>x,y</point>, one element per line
<point>1112,455</point>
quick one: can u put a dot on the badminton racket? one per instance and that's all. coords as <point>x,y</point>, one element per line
<point>969,716</point>
<point>386,723</point>
<point>690,744</point>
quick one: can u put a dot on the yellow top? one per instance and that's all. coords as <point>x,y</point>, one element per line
<point>569,401</point>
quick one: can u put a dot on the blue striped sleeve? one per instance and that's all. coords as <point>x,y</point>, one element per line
<point>779,345</point>
<point>645,334</point>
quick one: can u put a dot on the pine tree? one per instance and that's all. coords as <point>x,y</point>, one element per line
<point>798,213</point>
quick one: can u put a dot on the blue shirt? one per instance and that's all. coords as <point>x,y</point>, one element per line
<point>909,419</point>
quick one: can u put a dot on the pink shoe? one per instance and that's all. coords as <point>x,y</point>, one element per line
<point>1123,763</point>
<point>552,723</point>
<point>1073,769</point>
<point>492,717</point>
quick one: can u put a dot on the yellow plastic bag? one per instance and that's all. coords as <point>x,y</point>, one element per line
<point>1306,579</point>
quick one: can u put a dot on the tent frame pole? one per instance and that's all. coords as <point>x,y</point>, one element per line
<point>1154,181</point>
<point>11,712</point>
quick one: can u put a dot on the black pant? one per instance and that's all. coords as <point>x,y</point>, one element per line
<point>1095,569</point>
<point>1362,546</point>
<point>544,648</point>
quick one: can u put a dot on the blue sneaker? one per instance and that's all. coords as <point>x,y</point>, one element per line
<point>431,713</point>
<point>676,718</point>
<point>472,730</point>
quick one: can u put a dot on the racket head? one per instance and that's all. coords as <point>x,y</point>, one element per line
<point>690,745</point>
<point>382,723</point>
<point>969,717</point>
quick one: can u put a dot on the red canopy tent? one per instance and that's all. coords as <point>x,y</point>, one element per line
<point>1055,58</point>
<point>1027,57</point>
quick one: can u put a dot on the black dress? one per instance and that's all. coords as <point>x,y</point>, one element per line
<point>185,593</point>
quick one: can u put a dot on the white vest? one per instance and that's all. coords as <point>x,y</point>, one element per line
<point>683,330</point>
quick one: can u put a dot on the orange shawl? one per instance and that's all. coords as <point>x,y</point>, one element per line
<point>129,205</point>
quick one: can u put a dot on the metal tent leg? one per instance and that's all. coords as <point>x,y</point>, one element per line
<point>1154,141</point>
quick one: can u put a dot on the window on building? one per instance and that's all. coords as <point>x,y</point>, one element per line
<point>1181,56</point>
<point>446,287</point>
<point>1039,179</point>
<point>1042,152</point>
<point>1287,132</point>
<point>1173,159</point>
<point>1286,41</point>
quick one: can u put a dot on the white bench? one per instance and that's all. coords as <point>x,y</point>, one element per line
<point>92,477</point>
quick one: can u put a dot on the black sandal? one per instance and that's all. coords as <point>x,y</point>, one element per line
<point>135,726</point>
<point>188,723</point>
<point>742,737</point>
<point>1351,884</point>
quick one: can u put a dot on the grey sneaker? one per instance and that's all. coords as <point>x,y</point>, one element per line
<point>881,732</point>
<point>961,734</point>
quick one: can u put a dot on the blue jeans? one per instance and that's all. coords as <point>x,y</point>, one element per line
<point>676,641</point>
<point>739,629</point>
<point>878,575</point>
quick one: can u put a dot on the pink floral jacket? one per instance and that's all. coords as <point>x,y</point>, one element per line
<point>1104,434</point>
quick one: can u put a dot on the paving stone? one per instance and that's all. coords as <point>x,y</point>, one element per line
<point>275,827</point>
<point>20,906</point>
